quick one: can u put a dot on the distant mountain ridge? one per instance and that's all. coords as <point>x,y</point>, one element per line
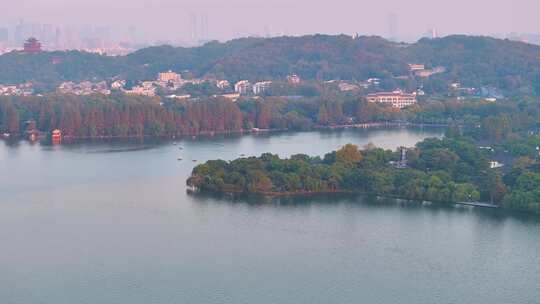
<point>471,60</point>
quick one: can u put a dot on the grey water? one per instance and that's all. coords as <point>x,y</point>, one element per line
<point>111,222</point>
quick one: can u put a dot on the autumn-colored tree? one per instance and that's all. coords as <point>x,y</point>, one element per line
<point>349,155</point>
<point>264,115</point>
<point>323,117</point>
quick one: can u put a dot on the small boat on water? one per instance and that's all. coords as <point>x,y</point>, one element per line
<point>194,160</point>
<point>179,158</point>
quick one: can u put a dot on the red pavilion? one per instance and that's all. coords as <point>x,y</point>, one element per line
<point>32,45</point>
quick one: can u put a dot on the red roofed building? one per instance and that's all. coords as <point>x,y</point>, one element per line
<point>32,45</point>
<point>56,136</point>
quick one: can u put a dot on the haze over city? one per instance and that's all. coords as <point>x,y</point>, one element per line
<point>180,22</point>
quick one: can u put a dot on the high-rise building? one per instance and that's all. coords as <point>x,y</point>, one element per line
<point>204,27</point>
<point>431,33</point>
<point>36,30</point>
<point>4,35</point>
<point>393,27</point>
<point>199,28</point>
<point>47,34</point>
<point>19,32</point>
<point>194,28</point>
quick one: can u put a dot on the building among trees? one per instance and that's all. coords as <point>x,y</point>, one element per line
<point>396,99</point>
<point>56,136</point>
<point>242,87</point>
<point>293,79</point>
<point>32,46</point>
<point>261,87</point>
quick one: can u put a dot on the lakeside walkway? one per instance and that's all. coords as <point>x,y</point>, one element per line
<point>478,204</point>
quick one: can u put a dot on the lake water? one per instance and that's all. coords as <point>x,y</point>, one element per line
<point>112,223</point>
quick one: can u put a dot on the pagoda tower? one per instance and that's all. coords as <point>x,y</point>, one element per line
<point>32,46</point>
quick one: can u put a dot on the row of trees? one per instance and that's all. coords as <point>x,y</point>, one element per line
<point>118,116</point>
<point>122,115</point>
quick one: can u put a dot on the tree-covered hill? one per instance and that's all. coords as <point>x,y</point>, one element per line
<point>54,67</point>
<point>477,61</point>
<point>474,61</point>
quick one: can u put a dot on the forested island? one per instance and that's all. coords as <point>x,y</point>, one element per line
<point>448,170</point>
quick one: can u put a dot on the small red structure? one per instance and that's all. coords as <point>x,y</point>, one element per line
<point>56,136</point>
<point>32,46</point>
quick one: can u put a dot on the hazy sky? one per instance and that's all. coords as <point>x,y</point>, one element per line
<point>170,19</point>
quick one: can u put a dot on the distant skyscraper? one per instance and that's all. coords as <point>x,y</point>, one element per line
<point>132,32</point>
<point>48,33</point>
<point>194,28</point>
<point>392,27</point>
<point>431,33</point>
<point>4,35</point>
<point>36,30</point>
<point>267,31</point>
<point>199,28</point>
<point>204,27</point>
<point>19,32</point>
<point>434,33</point>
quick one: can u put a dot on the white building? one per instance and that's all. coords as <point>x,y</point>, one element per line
<point>147,88</point>
<point>495,165</point>
<point>347,87</point>
<point>429,72</point>
<point>293,79</point>
<point>232,97</point>
<point>242,87</point>
<point>84,88</point>
<point>223,84</point>
<point>374,81</point>
<point>416,67</point>
<point>118,84</point>
<point>261,87</point>
<point>179,97</point>
<point>16,90</point>
<point>396,99</point>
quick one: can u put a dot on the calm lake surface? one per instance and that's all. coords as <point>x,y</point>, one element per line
<point>112,223</point>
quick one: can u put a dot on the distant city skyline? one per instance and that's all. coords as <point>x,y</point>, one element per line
<point>173,20</point>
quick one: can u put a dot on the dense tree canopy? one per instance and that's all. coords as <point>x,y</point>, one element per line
<point>123,115</point>
<point>448,170</point>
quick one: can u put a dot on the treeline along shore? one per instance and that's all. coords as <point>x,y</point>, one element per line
<point>126,116</point>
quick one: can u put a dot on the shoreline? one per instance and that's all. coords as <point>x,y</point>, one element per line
<point>272,194</point>
<point>43,136</point>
